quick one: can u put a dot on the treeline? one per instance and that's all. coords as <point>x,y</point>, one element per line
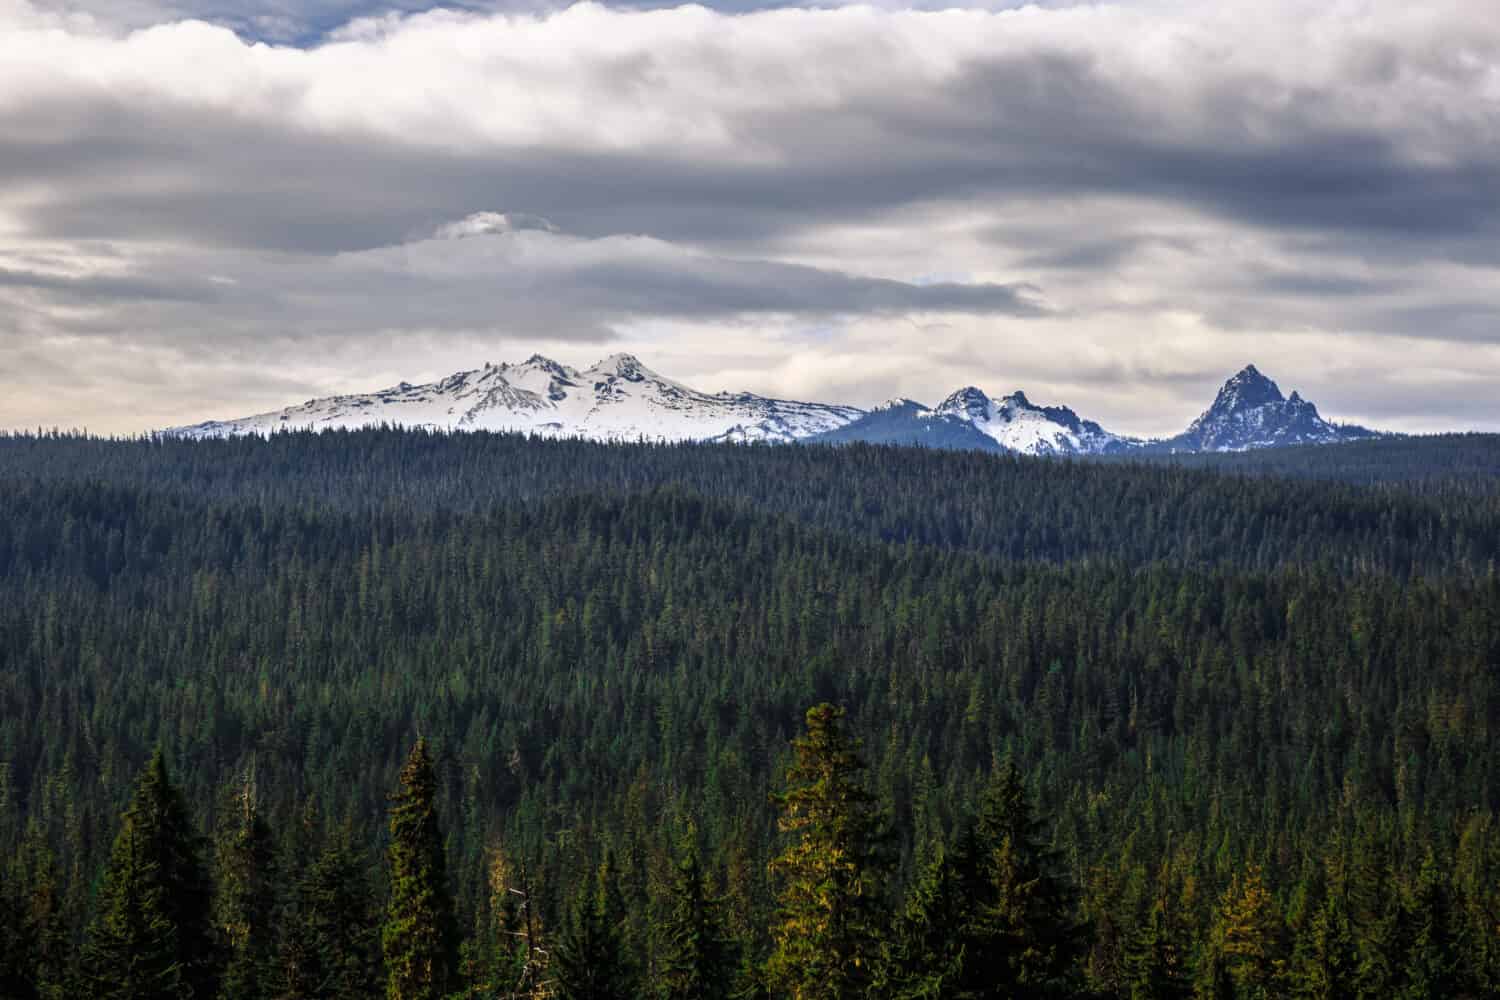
<point>1217,695</point>
<point>990,913</point>
<point>1437,465</point>
<point>1434,512</point>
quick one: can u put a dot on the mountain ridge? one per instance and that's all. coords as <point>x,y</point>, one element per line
<point>619,398</point>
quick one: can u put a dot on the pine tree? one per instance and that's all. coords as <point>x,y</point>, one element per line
<point>828,932</point>
<point>1023,936</point>
<point>246,902</point>
<point>1155,968</point>
<point>1246,942</point>
<point>697,961</point>
<point>1380,921</point>
<point>330,942</point>
<point>1435,959</point>
<point>925,957</point>
<point>592,962</point>
<point>1324,960</point>
<point>419,936</point>
<point>151,935</point>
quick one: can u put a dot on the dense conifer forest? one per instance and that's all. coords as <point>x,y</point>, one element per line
<point>404,714</point>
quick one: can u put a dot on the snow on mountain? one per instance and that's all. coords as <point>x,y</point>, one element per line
<point>1018,425</point>
<point>618,399</point>
<point>1250,412</point>
<point>969,419</point>
<point>907,422</point>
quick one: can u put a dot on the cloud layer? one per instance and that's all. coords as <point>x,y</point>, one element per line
<point>1114,206</point>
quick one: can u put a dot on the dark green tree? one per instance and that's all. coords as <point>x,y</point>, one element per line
<point>1155,965</point>
<point>592,962</point>
<point>151,936</point>
<point>246,904</point>
<point>925,955</point>
<point>330,936</point>
<point>419,937</point>
<point>1324,962</point>
<point>1023,936</point>
<point>828,931</point>
<point>1380,919</point>
<point>696,960</point>
<point>1435,965</point>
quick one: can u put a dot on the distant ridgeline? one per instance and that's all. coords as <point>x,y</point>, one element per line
<point>1128,728</point>
<point>620,399</point>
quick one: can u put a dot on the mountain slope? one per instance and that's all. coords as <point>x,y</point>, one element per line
<point>1018,425</point>
<point>907,422</point>
<point>969,419</point>
<point>618,399</point>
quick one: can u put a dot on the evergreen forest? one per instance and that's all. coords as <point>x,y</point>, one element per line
<point>403,714</point>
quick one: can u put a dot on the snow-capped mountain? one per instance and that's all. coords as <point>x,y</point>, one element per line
<point>969,419</point>
<point>618,399</point>
<point>907,422</point>
<point>1250,412</point>
<point>1017,424</point>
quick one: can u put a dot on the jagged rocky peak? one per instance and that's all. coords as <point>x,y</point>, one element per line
<point>1250,412</point>
<point>969,401</point>
<point>544,363</point>
<point>1246,389</point>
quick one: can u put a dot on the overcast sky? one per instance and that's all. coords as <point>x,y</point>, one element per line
<point>210,208</point>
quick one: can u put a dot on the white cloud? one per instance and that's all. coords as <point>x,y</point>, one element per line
<point>490,224</point>
<point>1124,201</point>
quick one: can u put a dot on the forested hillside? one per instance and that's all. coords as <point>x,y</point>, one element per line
<point>1128,730</point>
<point>1438,464</point>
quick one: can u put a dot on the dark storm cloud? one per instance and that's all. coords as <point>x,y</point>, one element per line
<point>86,289</point>
<point>1029,126</point>
<point>529,281</point>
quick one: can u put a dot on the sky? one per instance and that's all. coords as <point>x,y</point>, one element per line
<point>210,208</point>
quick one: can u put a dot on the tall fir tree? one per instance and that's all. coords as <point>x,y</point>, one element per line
<point>246,903</point>
<point>419,937</point>
<point>1324,961</point>
<point>592,960</point>
<point>330,935</point>
<point>1247,943</point>
<point>829,926</point>
<point>1380,919</point>
<point>1435,964</point>
<point>1023,935</point>
<point>925,956</point>
<point>696,959</point>
<point>1155,966</point>
<point>151,937</point>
